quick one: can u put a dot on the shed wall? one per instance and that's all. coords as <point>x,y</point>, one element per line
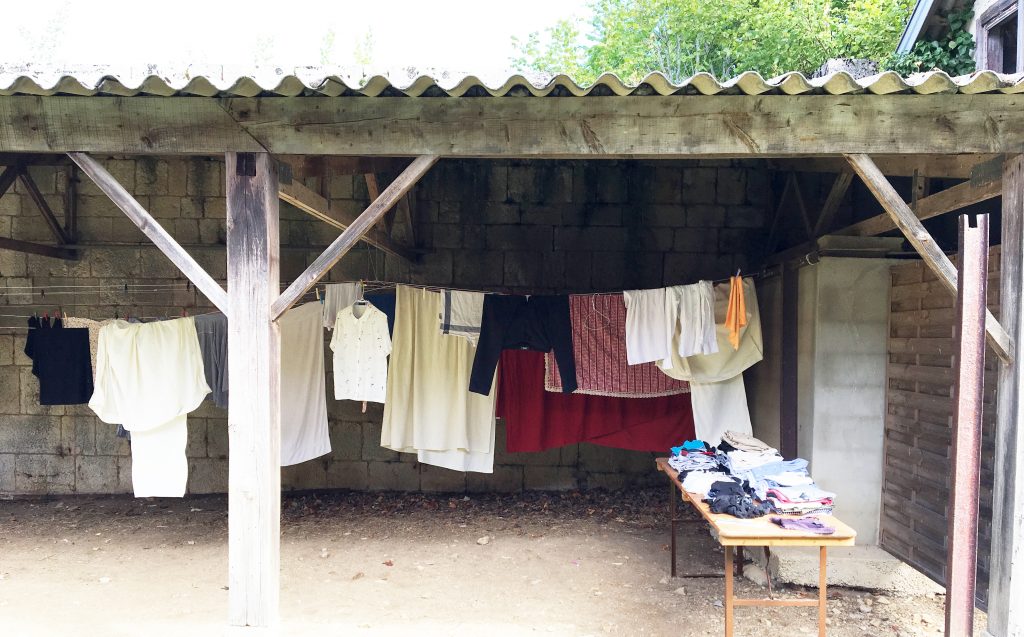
<point>505,226</point>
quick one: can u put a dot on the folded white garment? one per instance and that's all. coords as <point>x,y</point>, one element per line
<point>701,481</point>
<point>461,314</point>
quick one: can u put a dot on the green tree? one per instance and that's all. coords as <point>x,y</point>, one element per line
<point>724,37</point>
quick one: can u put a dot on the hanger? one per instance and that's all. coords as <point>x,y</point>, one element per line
<point>361,300</point>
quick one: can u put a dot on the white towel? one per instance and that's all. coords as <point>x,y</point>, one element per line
<point>690,314</point>
<point>648,334</point>
<point>461,314</point>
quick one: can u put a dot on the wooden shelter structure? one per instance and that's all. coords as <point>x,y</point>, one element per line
<point>873,128</point>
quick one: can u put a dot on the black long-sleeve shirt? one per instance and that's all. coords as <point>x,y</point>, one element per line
<point>539,323</point>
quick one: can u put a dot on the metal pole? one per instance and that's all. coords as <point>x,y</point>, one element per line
<point>962,556</point>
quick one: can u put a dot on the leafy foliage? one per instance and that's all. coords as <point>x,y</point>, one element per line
<point>954,53</point>
<point>681,37</point>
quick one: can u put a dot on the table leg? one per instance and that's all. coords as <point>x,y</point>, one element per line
<point>822,590</point>
<point>673,494</point>
<point>768,571</point>
<point>740,559</point>
<point>728,591</point>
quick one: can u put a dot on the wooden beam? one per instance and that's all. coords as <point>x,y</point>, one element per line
<point>23,159</point>
<point>42,206</point>
<point>318,206</point>
<point>55,252</point>
<point>773,232</point>
<point>948,200</point>
<point>254,407</point>
<point>1006,564</point>
<point>353,233</point>
<point>926,165</point>
<point>8,177</point>
<point>609,127</point>
<point>832,202</point>
<point>303,166</point>
<point>152,229</point>
<point>802,206</point>
<point>933,256</point>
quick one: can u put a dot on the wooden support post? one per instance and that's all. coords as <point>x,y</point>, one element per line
<point>1006,565</point>
<point>968,394</point>
<point>353,233</point>
<point>802,206</point>
<point>54,252</point>
<point>254,411</point>
<point>71,203</point>
<point>832,202</point>
<point>152,229</point>
<point>8,177</point>
<point>44,208</point>
<point>789,384</point>
<point>933,256</point>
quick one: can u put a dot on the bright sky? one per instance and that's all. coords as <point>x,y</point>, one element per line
<point>459,36</point>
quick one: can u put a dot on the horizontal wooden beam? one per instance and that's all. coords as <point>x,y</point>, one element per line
<point>152,229</point>
<point>607,127</point>
<point>334,252</point>
<point>26,159</point>
<point>959,196</point>
<point>317,206</point>
<point>54,252</point>
<point>303,166</point>
<point>925,165</point>
<point>931,254</point>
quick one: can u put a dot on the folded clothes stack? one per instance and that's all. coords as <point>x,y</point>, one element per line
<point>746,477</point>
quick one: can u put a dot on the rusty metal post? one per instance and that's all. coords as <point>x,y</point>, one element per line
<point>962,534</point>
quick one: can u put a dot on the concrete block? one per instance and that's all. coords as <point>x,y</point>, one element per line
<point>78,433</point>
<point>31,227</point>
<point>441,480</point>
<point>474,237</point>
<point>495,182</point>
<point>519,237</point>
<point>196,447</point>
<point>7,472</point>
<point>371,444</point>
<point>863,567</point>
<point>523,269</point>
<point>114,264</point>
<point>214,231</point>
<point>177,176</point>
<point>165,207</point>
<point>30,396</point>
<point>505,479</point>
<point>96,474</point>
<point>183,230</point>
<point>544,214</point>
<point>193,207</point>
<point>546,458</point>
<point>553,276</point>
<point>731,185</point>
<point>596,458</point>
<point>663,215</point>
<point>705,216</point>
<point>538,478</point>
<point>7,352</point>
<point>124,474</point>
<point>569,455</point>
<point>608,270</point>
<point>436,269</point>
<point>205,475</point>
<point>499,213</point>
<point>598,214</point>
<point>744,217</point>
<point>347,475</point>
<point>644,239</point>
<point>340,187</point>
<point>347,440</point>
<point>699,186</point>
<point>217,438</point>
<point>12,263</point>
<point>597,238</point>
<point>10,389</point>
<point>108,443</point>
<point>205,177</point>
<point>44,473</point>
<point>10,205</point>
<point>311,474</point>
<point>735,241</point>
<point>578,271</point>
<point>457,212</point>
<point>447,235</point>
<point>393,476</point>
<point>151,176</point>
<point>695,239</point>
<point>759,188</point>
<point>484,269</point>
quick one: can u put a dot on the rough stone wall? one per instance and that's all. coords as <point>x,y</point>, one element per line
<point>503,226</point>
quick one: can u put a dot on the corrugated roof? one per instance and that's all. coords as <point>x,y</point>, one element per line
<point>99,83</point>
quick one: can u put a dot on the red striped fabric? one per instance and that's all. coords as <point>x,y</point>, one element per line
<point>599,345</point>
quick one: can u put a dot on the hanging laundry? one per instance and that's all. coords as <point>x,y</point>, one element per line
<point>461,314</point>
<point>385,303</point>
<point>538,323</point>
<point>212,330</point>
<point>599,349</point>
<point>338,296</point>
<point>719,407</point>
<point>149,377</point>
<point>62,363</point>
<point>428,410</point>
<point>690,318</point>
<point>304,432</point>
<point>536,419</point>
<point>648,335</point>
<point>736,314</point>
<point>94,328</point>
<point>361,344</point>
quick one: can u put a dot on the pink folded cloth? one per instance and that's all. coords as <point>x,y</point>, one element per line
<point>807,524</point>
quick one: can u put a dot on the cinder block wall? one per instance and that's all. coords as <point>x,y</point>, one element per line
<point>503,226</point>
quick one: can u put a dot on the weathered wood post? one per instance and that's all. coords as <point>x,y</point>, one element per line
<point>254,418</point>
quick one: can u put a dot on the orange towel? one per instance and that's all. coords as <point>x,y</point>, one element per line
<point>736,315</point>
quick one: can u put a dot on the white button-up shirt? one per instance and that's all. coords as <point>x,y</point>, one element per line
<point>361,344</point>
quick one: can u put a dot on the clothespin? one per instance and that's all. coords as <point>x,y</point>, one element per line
<point>317,290</point>
<point>364,406</point>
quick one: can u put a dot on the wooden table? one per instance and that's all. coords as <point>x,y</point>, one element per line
<point>735,532</point>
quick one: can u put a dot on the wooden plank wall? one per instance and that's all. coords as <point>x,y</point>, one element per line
<point>919,420</point>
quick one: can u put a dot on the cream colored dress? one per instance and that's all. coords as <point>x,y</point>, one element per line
<point>429,409</point>
<point>149,376</point>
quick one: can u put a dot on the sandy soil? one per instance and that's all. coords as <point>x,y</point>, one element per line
<point>397,564</point>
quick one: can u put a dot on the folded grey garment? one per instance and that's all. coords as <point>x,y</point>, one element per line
<point>806,524</point>
<point>745,442</point>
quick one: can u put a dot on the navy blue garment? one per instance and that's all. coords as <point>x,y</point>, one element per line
<point>385,303</point>
<point>62,362</point>
<point>538,323</point>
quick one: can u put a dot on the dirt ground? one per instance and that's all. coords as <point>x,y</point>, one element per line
<point>398,564</point>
